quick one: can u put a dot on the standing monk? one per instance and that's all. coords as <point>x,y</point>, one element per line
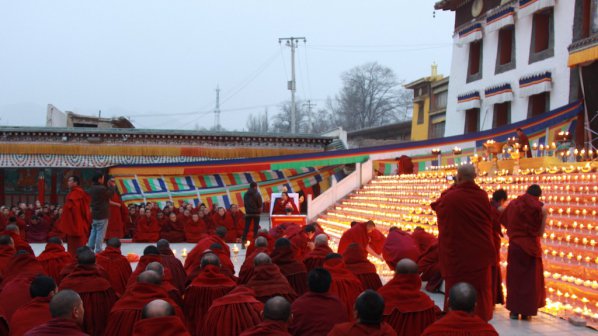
<point>499,197</point>
<point>525,219</point>
<point>76,216</point>
<point>523,141</point>
<point>465,245</point>
<point>118,213</point>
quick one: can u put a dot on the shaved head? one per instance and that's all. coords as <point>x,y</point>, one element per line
<point>85,256</point>
<point>462,297</point>
<point>277,309</point>
<point>55,240</point>
<point>113,242</point>
<point>151,250</point>
<point>149,277</point>
<point>282,242</point>
<point>64,303</point>
<point>321,240</point>
<point>210,259</point>
<point>157,308</point>
<point>466,172</point>
<point>163,244</point>
<point>261,259</point>
<point>12,228</point>
<point>406,266</point>
<point>333,256</point>
<point>7,241</point>
<point>156,267</point>
<point>370,307</point>
<point>221,231</point>
<point>261,242</point>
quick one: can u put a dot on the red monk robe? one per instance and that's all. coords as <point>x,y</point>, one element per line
<point>148,229</point>
<point>299,240</point>
<point>356,261</point>
<point>193,260</point>
<point>75,220</point>
<point>356,329</point>
<point>308,319</point>
<point>358,233</point>
<point>195,229</point>
<point>57,326</point>
<point>116,222</point>
<point>53,259</point>
<point>497,238</point>
<point>406,308</point>
<point>223,218</point>
<point>233,313</point>
<point>167,285</point>
<point>281,206</point>
<point>31,315</point>
<point>238,217</point>
<point>293,270</point>
<point>173,230</point>
<point>344,284</point>
<point>315,258</point>
<point>267,281</point>
<point>127,310</point>
<point>162,326</point>
<point>248,267</point>
<point>208,286</point>
<point>430,268</point>
<point>226,265</point>
<point>423,239</point>
<point>6,254</point>
<point>523,219</point>
<point>458,323</point>
<point>96,293</point>
<point>19,243</point>
<point>465,245</point>
<point>117,266</point>
<point>399,245</point>
<point>377,240</point>
<point>270,328</point>
<point>170,261</point>
<point>268,237</point>
<point>15,286</point>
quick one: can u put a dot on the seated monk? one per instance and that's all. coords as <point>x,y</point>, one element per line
<point>429,267</point>
<point>173,230</point>
<point>358,233</point>
<point>170,261</point>
<point>262,233</point>
<point>277,314</point>
<point>13,231</point>
<point>399,245</point>
<point>158,318</point>
<point>345,284</point>
<point>54,258</point>
<point>407,309</point>
<point>357,262</point>
<point>19,273</point>
<point>172,291</point>
<point>423,239</point>
<point>223,218</point>
<point>196,228</point>
<point>285,205</point>
<point>461,320</point>
<point>37,311</point>
<point>116,265</point>
<point>208,286</point>
<point>38,229</point>
<point>246,272</point>
<point>151,254</point>
<point>233,313</point>
<point>128,309</point>
<point>66,309</point>
<point>267,281</point>
<point>193,259</point>
<point>148,228</point>
<point>238,217</point>
<point>293,270</point>
<point>95,291</point>
<point>301,239</point>
<point>316,257</point>
<point>7,251</point>
<point>308,319</point>
<point>369,313</point>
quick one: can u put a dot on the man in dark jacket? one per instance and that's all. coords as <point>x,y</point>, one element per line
<point>100,205</point>
<point>253,210</point>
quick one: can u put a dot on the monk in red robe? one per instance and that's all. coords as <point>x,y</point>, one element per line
<point>345,284</point>
<point>227,267</point>
<point>465,244</point>
<point>262,233</point>
<point>192,261</point>
<point>170,261</point>
<point>369,313</point>
<point>399,245</point>
<point>116,265</point>
<point>246,272</point>
<point>96,292</point>
<point>66,309</point>
<point>223,218</point>
<point>196,228</point>
<point>525,220</point>
<point>267,280</point>
<point>461,320</point>
<point>285,206</point>
<point>429,267</point>
<point>54,258</point>
<point>128,309</point>
<point>148,228</point>
<point>295,271</point>
<point>523,142</point>
<point>277,314</point>
<point>356,261</point>
<point>7,251</point>
<point>233,313</point>
<point>208,286</point>
<point>406,308</point>
<point>13,231</point>
<point>301,239</point>
<point>75,220</point>
<point>359,233</point>
<point>238,217</point>
<point>19,273</point>
<point>173,230</point>
<point>316,257</point>
<point>499,198</point>
<point>118,213</point>
<point>37,311</point>
<point>423,239</point>
<point>158,318</point>
<point>308,319</point>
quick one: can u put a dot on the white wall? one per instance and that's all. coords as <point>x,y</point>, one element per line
<point>55,117</point>
<point>559,96</point>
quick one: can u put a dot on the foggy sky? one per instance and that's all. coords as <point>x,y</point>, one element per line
<point>165,58</point>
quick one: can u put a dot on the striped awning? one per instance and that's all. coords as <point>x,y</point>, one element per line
<point>502,17</point>
<point>468,101</point>
<point>470,34</point>
<point>498,94</point>
<point>535,84</point>
<point>527,7</point>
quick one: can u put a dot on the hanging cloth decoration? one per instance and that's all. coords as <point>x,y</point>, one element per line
<point>527,7</point>
<point>535,84</point>
<point>498,94</point>
<point>470,34</point>
<point>468,101</point>
<point>497,19</point>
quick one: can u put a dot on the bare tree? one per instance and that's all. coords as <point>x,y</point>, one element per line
<point>258,123</point>
<point>281,122</point>
<point>404,104</point>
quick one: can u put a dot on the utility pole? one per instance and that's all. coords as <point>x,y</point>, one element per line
<point>217,109</point>
<point>292,42</point>
<point>309,105</point>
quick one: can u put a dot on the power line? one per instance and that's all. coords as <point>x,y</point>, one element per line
<point>327,49</point>
<point>293,43</point>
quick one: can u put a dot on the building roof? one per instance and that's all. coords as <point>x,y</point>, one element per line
<point>377,132</point>
<point>117,122</point>
<point>450,4</point>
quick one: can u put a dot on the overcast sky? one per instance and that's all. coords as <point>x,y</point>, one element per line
<point>159,62</point>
